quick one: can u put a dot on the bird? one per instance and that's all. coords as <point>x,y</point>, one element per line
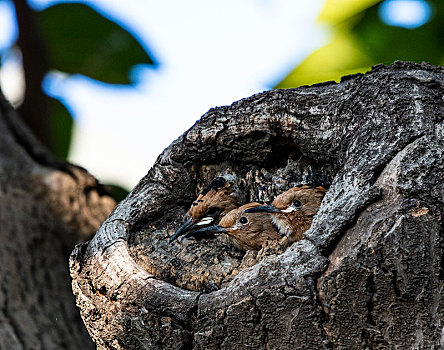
<point>245,230</point>
<point>215,200</point>
<point>293,210</point>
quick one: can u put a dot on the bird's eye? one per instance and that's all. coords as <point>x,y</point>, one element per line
<point>243,220</point>
<point>297,204</point>
<point>213,211</point>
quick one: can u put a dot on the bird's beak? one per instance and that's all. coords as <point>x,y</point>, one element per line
<point>182,229</point>
<point>190,225</point>
<point>264,209</point>
<point>206,231</point>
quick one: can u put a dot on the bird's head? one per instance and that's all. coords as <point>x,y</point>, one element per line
<point>215,200</point>
<point>300,201</point>
<point>294,209</point>
<point>247,231</point>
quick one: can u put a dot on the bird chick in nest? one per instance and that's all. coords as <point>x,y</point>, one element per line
<point>245,230</point>
<point>293,210</point>
<point>215,200</point>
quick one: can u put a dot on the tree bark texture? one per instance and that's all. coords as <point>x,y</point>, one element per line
<point>367,275</point>
<point>46,206</point>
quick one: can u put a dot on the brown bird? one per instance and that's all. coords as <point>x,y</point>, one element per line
<point>293,210</point>
<point>215,200</point>
<point>245,230</point>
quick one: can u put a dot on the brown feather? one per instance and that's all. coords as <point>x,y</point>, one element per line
<point>293,224</point>
<point>221,198</point>
<point>253,234</point>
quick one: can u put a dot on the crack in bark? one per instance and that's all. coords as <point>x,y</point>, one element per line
<point>264,338</point>
<point>366,334</point>
<point>370,285</point>
<point>395,284</point>
<point>441,265</point>
<point>192,322</point>
<point>259,318</point>
<point>322,309</point>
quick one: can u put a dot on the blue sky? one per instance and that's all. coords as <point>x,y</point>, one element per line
<point>210,54</point>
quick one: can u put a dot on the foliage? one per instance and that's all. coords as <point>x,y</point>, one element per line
<point>72,38</point>
<point>80,40</point>
<point>360,39</point>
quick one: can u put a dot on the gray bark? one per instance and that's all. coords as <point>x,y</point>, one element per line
<point>369,272</point>
<point>46,206</point>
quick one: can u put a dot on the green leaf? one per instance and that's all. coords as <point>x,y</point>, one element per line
<point>80,40</point>
<point>360,40</point>
<point>60,123</point>
<point>343,55</point>
<point>385,44</point>
<point>340,57</point>
<point>337,11</point>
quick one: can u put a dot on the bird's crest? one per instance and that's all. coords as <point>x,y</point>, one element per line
<point>218,182</point>
<point>217,197</point>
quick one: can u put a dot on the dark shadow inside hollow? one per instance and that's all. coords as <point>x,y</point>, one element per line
<point>210,263</point>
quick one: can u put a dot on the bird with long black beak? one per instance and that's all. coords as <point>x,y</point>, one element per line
<point>293,210</point>
<point>215,200</point>
<point>245,230</point>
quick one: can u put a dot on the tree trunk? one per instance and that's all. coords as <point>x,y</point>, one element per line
<point>368,274</point>
<point>46,206</point>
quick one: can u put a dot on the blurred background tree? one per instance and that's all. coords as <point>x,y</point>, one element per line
<point>75,39</point>
<point>368,32</point>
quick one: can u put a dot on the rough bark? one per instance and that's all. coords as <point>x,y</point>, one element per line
<point>369,272</point>
<point>46,206</point>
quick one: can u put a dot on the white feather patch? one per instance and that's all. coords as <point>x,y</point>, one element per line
<point>205,221</point>
<point>284,228</point>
